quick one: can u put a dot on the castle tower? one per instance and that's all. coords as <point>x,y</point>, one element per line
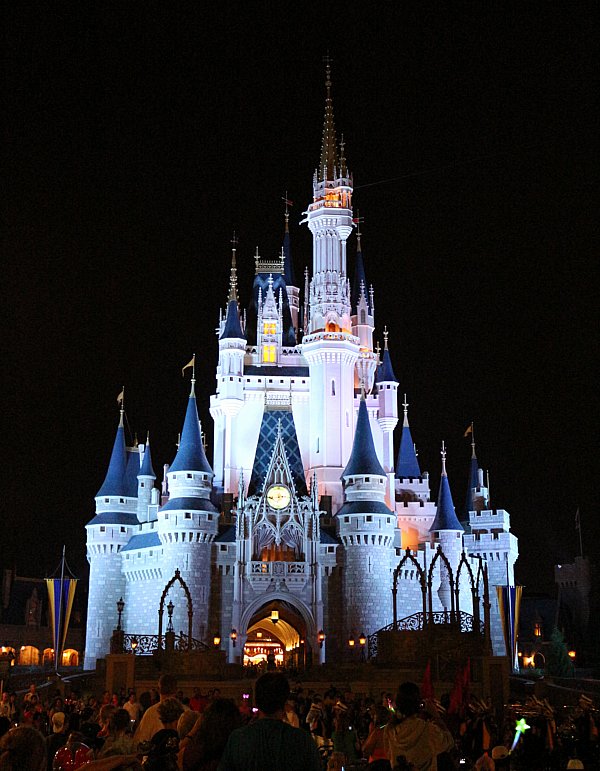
<point>188,523</point>
<point>414,508</point>
<point>293,290</point>
<point>230,385</point>
<point>363,320</point>
<point>329,346</point>
<point>387,395</point>
<point>446,531</point>
<point>365,526</point>
<point>477,492</point>
<point>107,533</point>
<point>147,495</point>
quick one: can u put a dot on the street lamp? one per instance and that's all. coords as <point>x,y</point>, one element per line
<point>170,609</point>
<point>233,636</point>
<point>321,637</point>
<point>351,642</point>
<point>362,641</point>
<point>120,608</point>
<point>216,641</point>
<point>274,616</point>
<point>134,644</point>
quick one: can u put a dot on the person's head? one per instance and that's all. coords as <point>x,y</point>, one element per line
<point>58,722</point>
<point>32,688</point>
<point>167,685</point>
<point>114,700</point>
<point>105,714</point>
<point>119,721</point>
<point>408,699</point>
<point>5,696</point>
<point>132,698</point>
<point>169,711</point>
<point>271,692</point>
<point>219,719</point>
<point>23,749</point>
<point>34,699</point>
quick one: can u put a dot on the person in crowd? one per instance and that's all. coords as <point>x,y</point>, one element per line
<point>133,707</point>
<point>164,745</point>
<point>344,736</point>
<point>30,694</point>
<point>32,712</point>
<point>5,705</point>
<point>412,738</point>
<point>58,737</point>
<point>291,715</point>
<point>15,714</point>
<point>58,705</point>
<point>202,747</point>
<point>119,741</point>
<point>198,702</point>
<point>187,720</point>
<point>23,749</point>
<point>373,747</point>
<point>150,722</point>
<point>269,743</point>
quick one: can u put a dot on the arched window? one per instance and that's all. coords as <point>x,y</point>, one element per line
<point>70,658</point>
<point>29,656</point>
<point>333,387</point>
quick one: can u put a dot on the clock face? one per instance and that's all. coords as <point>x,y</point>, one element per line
<point>278,497</point>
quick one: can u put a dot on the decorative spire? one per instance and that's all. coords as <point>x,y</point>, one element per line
<point>359,283</point>
<point>288,267</point>
<point>385,373</point>
<point>147,470</point>
<point>445,518</point>
<point>407,465</point>
<point>329,155</point>
<point>191,363</point>
<point>190,452</point>
<point>363,458</point>
<point>473,482</point>
<point>233,275</point>
<point>114,482</point>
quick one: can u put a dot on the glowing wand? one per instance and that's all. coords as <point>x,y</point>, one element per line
<point>520,728</point>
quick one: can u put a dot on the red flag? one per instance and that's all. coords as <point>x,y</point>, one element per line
<point>427,691</point>
<point>459,696</point>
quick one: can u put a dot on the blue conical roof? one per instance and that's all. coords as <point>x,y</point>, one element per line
<point>407,465</point>
<point>385,371</point>
<point>190,455</point>
<point>114,483</point>
<point>232,327</point>
<point>131,473</point>
<point>359,278</point>
<point>363,458</point>
<point>147,469</point>
<point>445,518</point>
<point>288,267</point>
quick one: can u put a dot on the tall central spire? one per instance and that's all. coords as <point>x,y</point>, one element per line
<point>329,154</point>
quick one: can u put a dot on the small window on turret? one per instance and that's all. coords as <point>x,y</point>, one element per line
<point>107,500</point>
<point>369,518</point>
<point>188,515</point>
<point>102,529</point>
<point>209,517</point>
<point>121,500</point>
<point>367,479</point>
<point>123,530</point>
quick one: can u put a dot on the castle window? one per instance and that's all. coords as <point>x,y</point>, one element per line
<point>333,387</point>
<point>269,328</point>
<point>121,500</point>
<point>367,479</point>
<point>188,515</point>
<point>495,536</point>
<point>209,517</point>
<point>269,354</point>
<point>102,529</point>
<point>223,547</point>
<point>151,552</point>
<point>123,530</point>
<point>369,518</point>
<point>189,476</point>
<point>107,500</point>
<point>330,549</point>
<point>231,379</point>
<point>537,629</point>
<point>363,318</point>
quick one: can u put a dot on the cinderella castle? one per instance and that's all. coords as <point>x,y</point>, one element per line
<point>295,528</point>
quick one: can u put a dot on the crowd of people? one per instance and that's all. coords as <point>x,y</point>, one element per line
<point>283,729</point>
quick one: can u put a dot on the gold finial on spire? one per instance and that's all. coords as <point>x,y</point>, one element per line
<point>233,273</point>
<point>135,439</point>
<point>288,206</point>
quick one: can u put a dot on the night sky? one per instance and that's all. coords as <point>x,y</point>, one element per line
<point>138,137</point>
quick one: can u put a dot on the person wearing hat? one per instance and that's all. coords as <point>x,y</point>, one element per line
<point>501,757</point>
<point>575,763</point>
<point>58,737</point>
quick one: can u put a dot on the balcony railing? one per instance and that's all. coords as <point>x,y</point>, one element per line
<point>279,568</point>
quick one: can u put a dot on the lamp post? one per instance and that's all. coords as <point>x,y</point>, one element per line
<point>274,616</point>
<point>216,640</point>
<point>321,637</point>
<point>233,636</point>
<point>362,641</point>
<point>120,608</point>
<point>170,609</point>
<point>134,645</point>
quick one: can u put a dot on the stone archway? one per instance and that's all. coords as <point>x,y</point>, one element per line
<point>161,609</point>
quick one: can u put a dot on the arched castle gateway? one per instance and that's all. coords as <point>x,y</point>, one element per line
<point>293,531</point>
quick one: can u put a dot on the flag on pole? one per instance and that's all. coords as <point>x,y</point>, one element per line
<point>509,604</point>
<point>577,520</point>
<point>121,396</point>
<point>191,363</point>
<point>468,431</point>
<point>61,592</point>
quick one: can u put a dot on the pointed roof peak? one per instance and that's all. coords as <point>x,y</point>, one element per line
<point>385,371</point>
<point>405,405</point>
<point>233,326</point>
<point>233,273</point>
<point>363,458</point>
<point>147,469</point>
<point>407,464</point>
<point>190,452</point>
<point>445,518</point>
<point>329,155</point>
<point>114,483</point>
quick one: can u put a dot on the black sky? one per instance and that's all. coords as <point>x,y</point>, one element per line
<point>139,136</point>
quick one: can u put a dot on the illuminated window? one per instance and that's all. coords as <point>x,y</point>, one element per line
<point>269,353</point>
<point>269,328</point>
<point>537,629</point>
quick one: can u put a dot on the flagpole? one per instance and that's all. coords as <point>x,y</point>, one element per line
<point>60,596</point>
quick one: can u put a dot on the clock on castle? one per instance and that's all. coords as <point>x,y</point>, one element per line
<point>313,491</point>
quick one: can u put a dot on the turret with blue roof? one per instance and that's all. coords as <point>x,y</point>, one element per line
<point>407,465</point>
<point>190,453</point>
<point>233,327</point>
<point>114,482</point>
<point>363,458</point>
<point>445,518</point>
<point>132,471</point>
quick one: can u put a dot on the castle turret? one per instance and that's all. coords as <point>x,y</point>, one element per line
<point>147,495</point>
<point>387,395</point>
<point>107,534</point>
<point>188,523</point>
<point>477,492</point>
<point>447,531</point>
<point>329,346</point>
<point>366,528</point>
